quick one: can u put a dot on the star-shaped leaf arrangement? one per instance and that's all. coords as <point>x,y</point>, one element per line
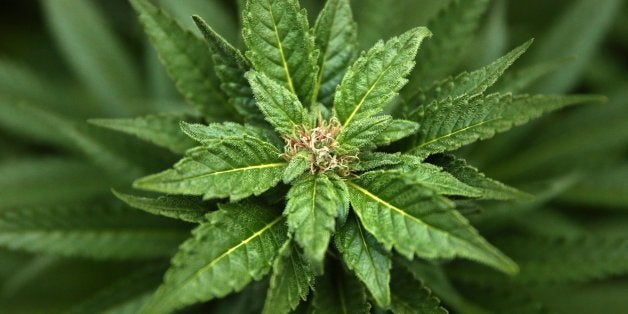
<point>307,142</point>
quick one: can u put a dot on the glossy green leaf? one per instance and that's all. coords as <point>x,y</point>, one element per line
<point>281,108</point>
<point>236,245</point>
<point>406,215</point>
<point>312,207</point>
<point>453,123</point>
<point>376,77</point>
<point>336,37</point>
<point>187,60</point>
<point>234,168</point>
<point>280,45</point>
<point>366,258</point>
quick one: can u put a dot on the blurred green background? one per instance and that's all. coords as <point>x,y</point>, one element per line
<point>64,61</point>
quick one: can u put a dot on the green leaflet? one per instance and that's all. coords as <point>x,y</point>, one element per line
<point>368,259</point>
<point>411,296</point>
<point>490,189</point>
<point>88,231</point>
<point>280,107</point>
<point>453,29</point>
<point>299,164</point>
<point>290,282</point>
<point>48,181</point>
<point>468,84</point>
<point>410,217</point>
<point>376,77</point>
<point>434,178</point>
<point>162,130</point>
<point>187,60</point>
<point>373,160</point>
<point>236,245</point>
<point>453,123</point>
<point>234,167</point>
<point>186,208</point>
<point>336,37</point>
<point>313,205</point>
<point>396,130</point>
<point>280,45</point>
<point>338,292</point>
<point>216,132</point>
<point>362,133</point>
<point>94,53</point>
<point>230,66</point>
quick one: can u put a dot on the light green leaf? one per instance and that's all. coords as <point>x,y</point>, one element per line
<point>338,292</point>
<point>434,178</point>
<point>409,296</point>
<point>312,207</point>
<point>281,108</point>
<point>453,30</point>
<point>94,53</point>
<point>48,181</point>
<point>187,60</point>
<point>186,208</point>
<point>336,37</point>
<point>290,282</point>
<point>490,189</point>
<point>297,165</point>
<point>376,77</point>
<point>396,130</point>
<point>366,258</point>
<point>234,168</point>
<point>216,132</point>
<point>230,66</point>
<point>89,231</point>
<point>453,123</point>
<point>236,245</point>
<point>403,214</point>
<point>162,130</point>
<point>468,84</point>
<point>362,132</point>
<point>280,45</point>
<point>373,160</point>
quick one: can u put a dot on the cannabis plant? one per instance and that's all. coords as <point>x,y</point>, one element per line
<point>314,175</point>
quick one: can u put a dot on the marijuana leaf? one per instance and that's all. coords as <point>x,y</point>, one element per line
<point>237,244</point>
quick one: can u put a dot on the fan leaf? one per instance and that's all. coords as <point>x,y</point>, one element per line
<point>405,215</point>
<point>236,245</point>
<point>234,168</point>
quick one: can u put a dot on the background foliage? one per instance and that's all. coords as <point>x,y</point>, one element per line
<point>63,62</point>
